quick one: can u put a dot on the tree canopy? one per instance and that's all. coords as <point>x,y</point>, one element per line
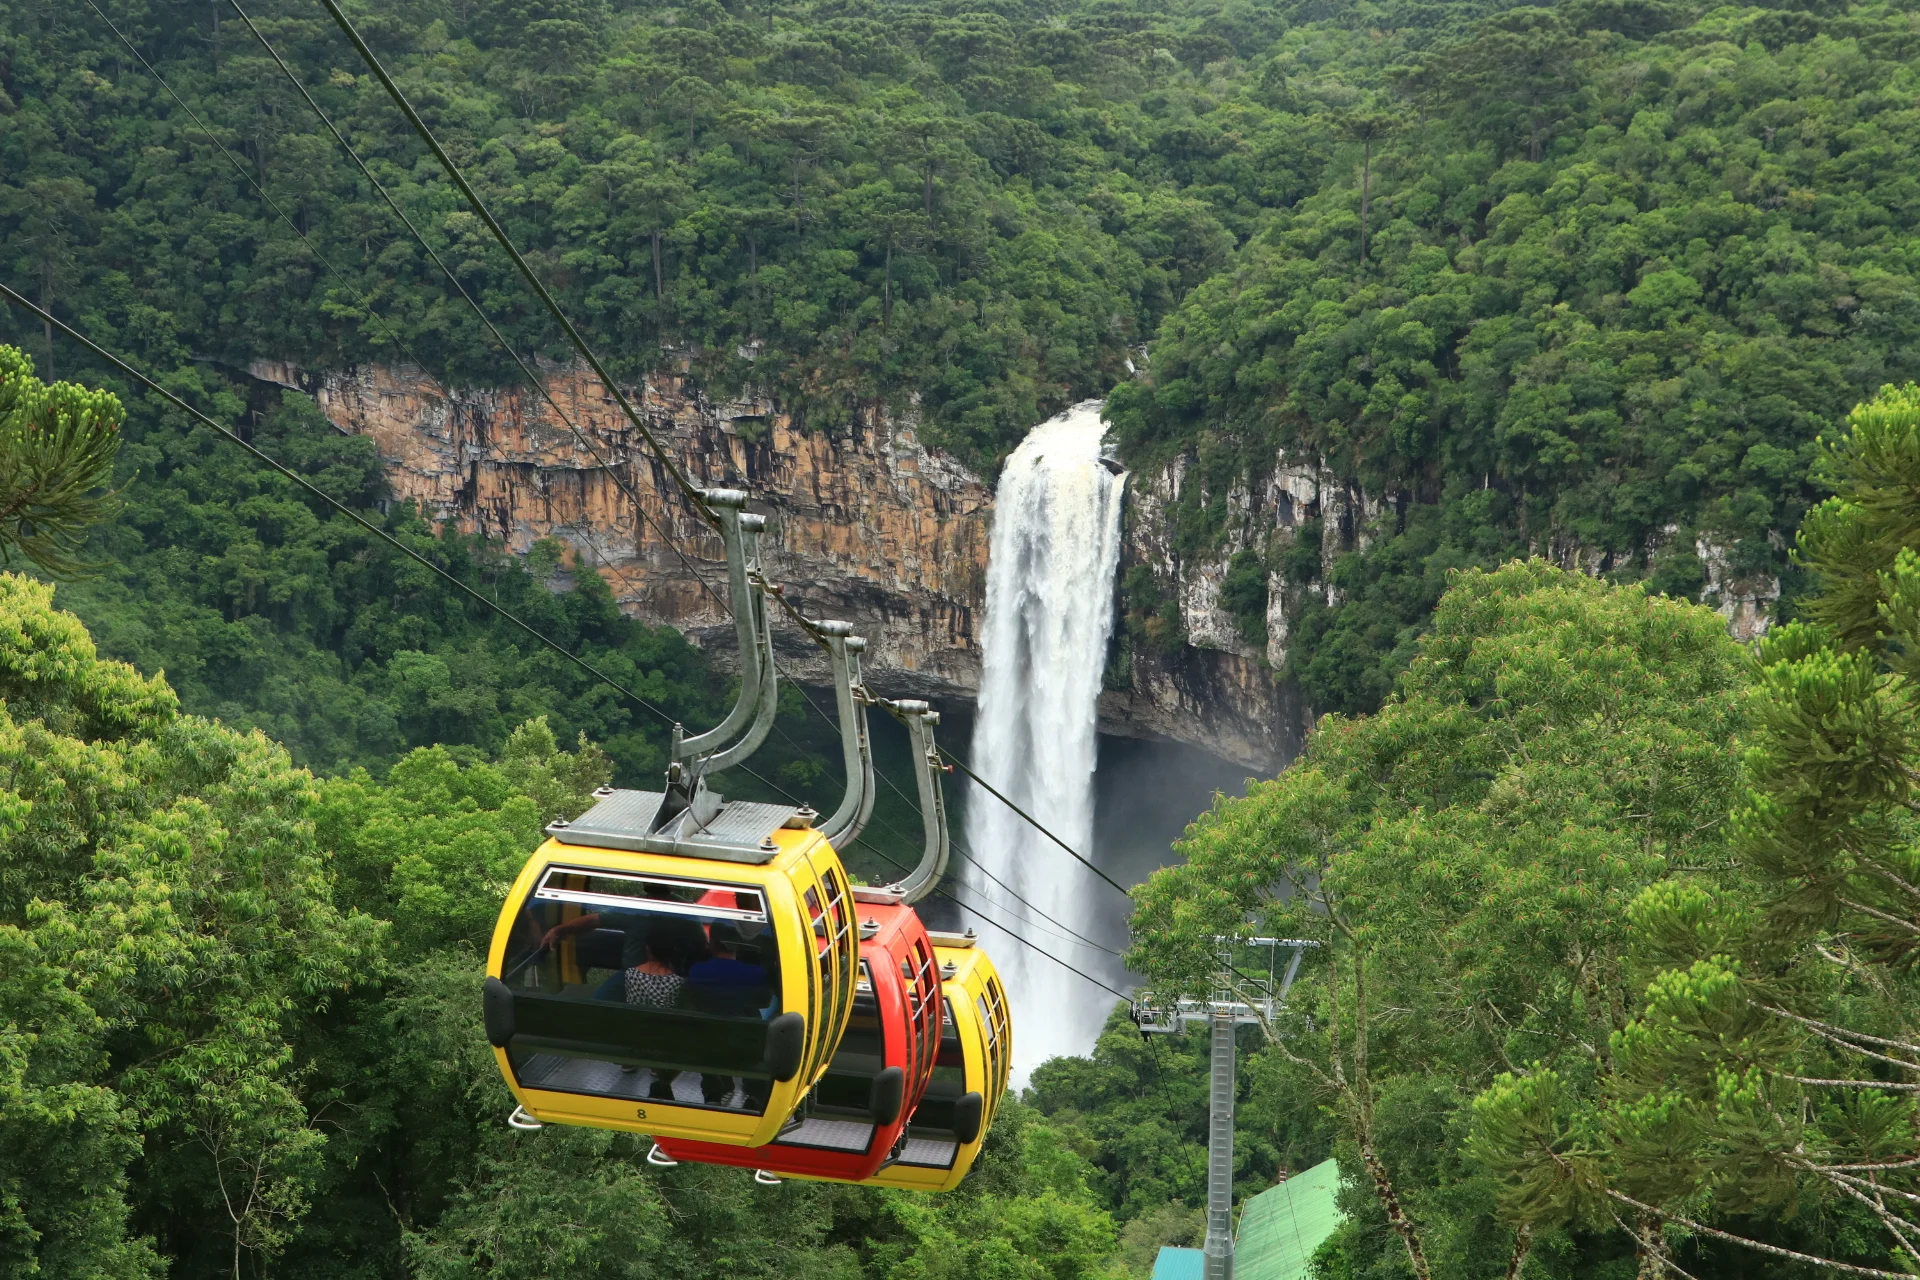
<point>1468,858</point>
<point>1583,281</point>
<point>1769,1076</point>
<point>57,449</point>
<point>240,1028</point>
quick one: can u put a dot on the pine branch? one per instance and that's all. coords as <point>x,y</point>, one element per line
<point>1774,1250</point>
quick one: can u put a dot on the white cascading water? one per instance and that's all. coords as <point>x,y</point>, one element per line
<point>1056,545</point>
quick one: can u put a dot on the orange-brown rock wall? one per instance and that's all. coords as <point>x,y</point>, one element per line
<point>864,523</point>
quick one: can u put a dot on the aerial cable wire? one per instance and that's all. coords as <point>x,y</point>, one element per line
<point>579,342</point>
<point>1060,930</point>
<point>1080,973</point>
<point>95,349</point>
<point>687,489</point>
<point>532,376</point>
<point>959,848</point>
<point>393,334</point>
<point>1032,821</point>
<point>143,379</point>
<point>1193,1156</point>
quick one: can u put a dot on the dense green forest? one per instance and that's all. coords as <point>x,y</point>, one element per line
<point>1616,921</point>
<point>1614,979</point>
<point>1587,281</point>
<point>239,1031</point>
<point>1584,281</point>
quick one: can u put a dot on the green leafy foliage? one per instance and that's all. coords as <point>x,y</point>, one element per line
<point>1467,859</point>
<point>57,446</point>
<point>240,1028</point>
<point>1626,264</point>
<point>170,923</point>
<point>977,212</point>
<point>1767,1075</point>
<point>1243,594</point>
<point>269,609</point>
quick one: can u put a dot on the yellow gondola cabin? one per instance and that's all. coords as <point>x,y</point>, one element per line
<point>950,1125</point>
<point>595,1001</point>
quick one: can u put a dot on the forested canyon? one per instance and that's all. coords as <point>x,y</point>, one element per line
<point>1380,298</point>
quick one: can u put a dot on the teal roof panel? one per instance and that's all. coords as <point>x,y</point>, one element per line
<point>1178,1264</point>
<point>1281,1227</point>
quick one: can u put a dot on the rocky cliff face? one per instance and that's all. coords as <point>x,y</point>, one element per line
<point>865,524</point>
<point>1207,670</point>
<point>1227,645</point>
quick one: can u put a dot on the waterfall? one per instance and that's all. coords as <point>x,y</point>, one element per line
<point>1056,544</point>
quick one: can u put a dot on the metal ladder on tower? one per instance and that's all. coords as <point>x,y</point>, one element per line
<point>1239,995</point>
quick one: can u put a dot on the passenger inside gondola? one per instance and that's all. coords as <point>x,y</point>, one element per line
<point>724,982</point>
<point>643,987</point>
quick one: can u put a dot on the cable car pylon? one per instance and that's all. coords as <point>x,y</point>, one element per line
<point>1238,997</point>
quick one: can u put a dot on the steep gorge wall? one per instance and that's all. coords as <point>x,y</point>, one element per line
<point>865,523</point>
<point>1267,517</point>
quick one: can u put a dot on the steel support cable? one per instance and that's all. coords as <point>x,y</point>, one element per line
<point>1080,973</point>
<point>1058,925</point>
<point>532,376</point>
<point>1032,821</point>
<point>359,296</point>
<point>957,847</point>
<point>687,489</point>
<point>101,353</point>
<point>1153,1048</point>
<point>94,348</point>
<point>453,172</point>
<point>579,342</point>
<point>1061,929</point>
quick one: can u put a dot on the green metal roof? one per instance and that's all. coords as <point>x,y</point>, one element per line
<point>1178,1264</point>
<point>1281,1227</point>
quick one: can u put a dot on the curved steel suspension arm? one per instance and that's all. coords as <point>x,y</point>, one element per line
<point>738,530</point>
<point>768,699</point>
<point>920,720</point>
<point>856,747</point>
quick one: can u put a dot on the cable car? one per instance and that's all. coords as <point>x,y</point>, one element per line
<point>946,1131</point>
<point>856,1117</point>
<point>668,994</point>
<point>672,962</point>
<point>854,1123</point>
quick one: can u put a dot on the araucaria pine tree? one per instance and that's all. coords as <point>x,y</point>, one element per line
<point>57,447</point>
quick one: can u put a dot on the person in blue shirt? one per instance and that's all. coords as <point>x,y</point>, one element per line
<point>724,983</point>
<point>725,969</point>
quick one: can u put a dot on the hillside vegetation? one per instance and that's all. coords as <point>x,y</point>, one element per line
<point>1586,281</point>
